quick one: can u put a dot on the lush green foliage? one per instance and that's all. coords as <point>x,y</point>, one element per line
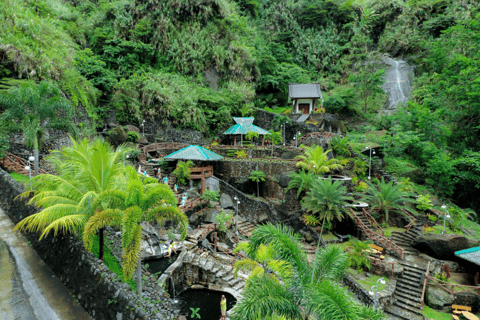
<point>209,195</point>
<point>257,176</point>
<point>182,171</point>
<point>315,160</point>
<point>306,289</point>
<point>302,181</point>
<point>221,220</point>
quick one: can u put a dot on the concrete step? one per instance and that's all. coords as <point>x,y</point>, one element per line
<point>411,291</point>
<point>228,277</point>
<point>408,283</point>
<point>408,307</point>
<point>408,299</point>
<point>401,313</point>
<point>411,277</point>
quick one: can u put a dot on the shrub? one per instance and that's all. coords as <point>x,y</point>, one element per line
<point>241,154</point>
<point>310,220</point>
<point>209,195</point>
<point>432,217</point>
<point>424,203</point>
<point>221,220</point>
<point>133,136</point>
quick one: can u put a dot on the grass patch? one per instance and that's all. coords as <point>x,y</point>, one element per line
<point>432,314</point>
<point>329,236</point>
<point>111,262</point>
<point>277,110</point>
<point>399,166</point>
<point>472,226</point>
<point>368,282</point>
<point>19,177</point>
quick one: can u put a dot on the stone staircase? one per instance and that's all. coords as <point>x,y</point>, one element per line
<point>405,239</point>
<point>366,222</point>
<point>408,293</point>
<point>223,273</point>
<point>245,228</point>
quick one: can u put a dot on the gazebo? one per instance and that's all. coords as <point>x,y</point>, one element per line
<point>196,153</point>
<point>243,126</point>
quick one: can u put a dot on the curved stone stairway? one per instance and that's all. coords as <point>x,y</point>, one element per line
<point>408,293</point>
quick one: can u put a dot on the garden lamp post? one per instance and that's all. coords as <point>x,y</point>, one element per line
<point>283,136</point>
<point>295,138</point>
<point>375,301</point>
<point>143,127</point>
<point>29,169</point>
<point>370,165</point>
<point>445,217</point>
<point>236,212</point>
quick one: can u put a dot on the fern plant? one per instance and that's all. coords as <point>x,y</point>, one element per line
<point>340,145</point>
<point>182,171</point>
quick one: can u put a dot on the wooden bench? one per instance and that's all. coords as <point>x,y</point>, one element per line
<point>458,309</point>
<point>378,250</point>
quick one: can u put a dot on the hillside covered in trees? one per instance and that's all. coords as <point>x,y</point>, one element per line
<point>195,63</point>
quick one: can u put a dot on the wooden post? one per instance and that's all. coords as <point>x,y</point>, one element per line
<point>235,140</point>
<point>422,302</point>
<point>215,242</point>
<point>263,140</point>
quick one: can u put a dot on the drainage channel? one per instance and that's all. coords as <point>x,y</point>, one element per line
<point>29,289</point>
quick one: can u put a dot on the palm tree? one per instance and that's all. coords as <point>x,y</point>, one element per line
<point>251,135</point>
<point>275,137</point>
<point>387,197</point>
<point>182,171</point>
<point>34,107</point>
<point>326,198</point>
<point>257,176</point>
<point>298,296</point>
<point>317,161</point>
<point>302,181</point>
<point>340,145</point>
<point>84,172</point>
<point>260,262</point>
<point>246,110</point>
<point>131,202</point>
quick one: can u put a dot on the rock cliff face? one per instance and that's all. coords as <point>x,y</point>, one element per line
<point>443,246</point>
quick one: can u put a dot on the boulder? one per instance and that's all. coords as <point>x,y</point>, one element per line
<point>438,298</point>
<point>226,201</point>
<point>212,184</point>
<point>283,179</point>
<point>142,140</point>
<point>193,194</point>
<point>117,136</point>
<point>195,218</point>
<point>210,215</point>
<point>443,246</point>
<point>132,128</point>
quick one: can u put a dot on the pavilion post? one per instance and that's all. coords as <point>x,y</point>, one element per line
<point>235,140</point>
<point>263,140</point>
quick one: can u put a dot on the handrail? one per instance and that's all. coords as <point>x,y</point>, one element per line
<point>444,285</point>
<point>412,223</point>
<point>425,283</point>
<point>17,164</point>
<point>372,220</point>
<point>374,236</point>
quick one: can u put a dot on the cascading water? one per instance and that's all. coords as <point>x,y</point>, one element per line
<point>173,288</point>
<point>399,76</point>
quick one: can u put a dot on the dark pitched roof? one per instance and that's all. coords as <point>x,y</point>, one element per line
<point>309,90</point>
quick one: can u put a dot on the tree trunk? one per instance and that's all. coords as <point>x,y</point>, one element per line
<point>258,191</point>
<point>35,154</point>
<point>100,250</point>
<point>139,277</point>
<point>318,246</point>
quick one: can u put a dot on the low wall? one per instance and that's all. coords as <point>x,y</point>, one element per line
<point>283,152</point>
<point>98,290</point>
<point>385,297</point>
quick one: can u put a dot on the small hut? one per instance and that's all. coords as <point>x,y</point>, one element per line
<point>196,153</point>
<point>243,126</point>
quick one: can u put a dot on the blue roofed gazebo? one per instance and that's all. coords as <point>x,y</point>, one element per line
<point>243,126</point>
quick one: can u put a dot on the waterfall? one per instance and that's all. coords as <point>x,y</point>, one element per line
<point>173,287</point>
<point>398,78</point>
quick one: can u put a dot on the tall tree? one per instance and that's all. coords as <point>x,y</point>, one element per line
<point>35,107</point>
<point>257,176</point>
<point>368,82</point>
<point>84,172</point>
<point>317,161</point>
<point>126,206</point>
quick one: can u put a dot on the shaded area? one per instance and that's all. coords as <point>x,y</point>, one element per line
<point>160,265</point>
<point>208,301</point>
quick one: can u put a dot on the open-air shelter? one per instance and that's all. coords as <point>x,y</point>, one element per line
<point>243,126</point>
<point>196,153</point>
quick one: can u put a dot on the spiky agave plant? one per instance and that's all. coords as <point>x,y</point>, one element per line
<point>125,207</point>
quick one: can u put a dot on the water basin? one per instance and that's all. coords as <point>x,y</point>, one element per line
<point>160,265</point>
<point>207,300</point>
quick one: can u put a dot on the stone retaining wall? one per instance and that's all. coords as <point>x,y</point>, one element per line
<point>242,169</point>
<point>385,297</point>
<point>97,289</point>
<point>253,210</point>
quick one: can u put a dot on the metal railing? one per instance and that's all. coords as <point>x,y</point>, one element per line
<point>372,221</point>
<point>412,222</point>
<point>17,164</point>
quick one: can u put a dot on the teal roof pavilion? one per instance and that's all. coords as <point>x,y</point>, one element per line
<point>472,255</point>
<point>194,152</point>
<point>245,125</point>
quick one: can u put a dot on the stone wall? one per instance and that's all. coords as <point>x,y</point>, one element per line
<point>254,210</point>
<point>87,277</point>
<point>283,152</point>
<point>243,168</point>
<point>326,122</point>
<point>467,299</point>
<point>156,131</point>
<point>385,297</point>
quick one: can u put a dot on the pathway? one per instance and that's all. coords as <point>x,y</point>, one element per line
<point>28,288</point>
